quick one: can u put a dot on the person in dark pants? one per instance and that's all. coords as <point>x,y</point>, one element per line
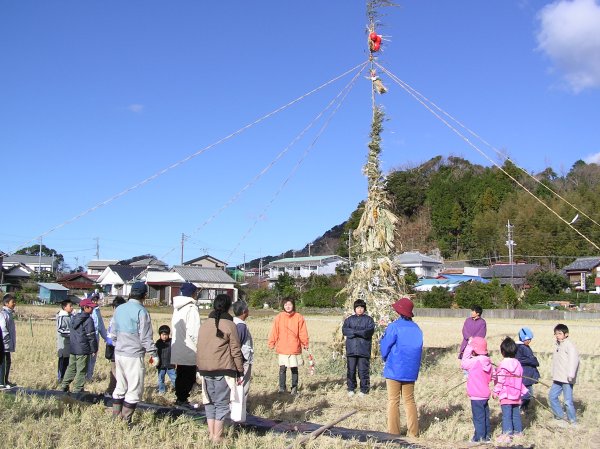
<point>358,330</point>
<point>9,338</point>
<point>185,325</point>
<point>63,336</point>
<point>83,345</point>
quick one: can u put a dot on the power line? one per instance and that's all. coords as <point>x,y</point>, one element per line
<point>347,90</point>
<point>188,158</point>
<point>270,165</point>
<point>482,153</point>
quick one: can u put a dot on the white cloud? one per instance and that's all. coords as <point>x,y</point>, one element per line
<point>136,108</point>
<point>592,159</point>
<point>570,35</point>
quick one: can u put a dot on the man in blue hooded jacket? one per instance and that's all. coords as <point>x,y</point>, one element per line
<point>401,348</point>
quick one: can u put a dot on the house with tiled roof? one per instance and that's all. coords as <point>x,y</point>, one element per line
<point>210,281</point>
<point>34,263</point>
<point>303,267</point>
<point>510,274</point>
<point>77,281</point>
<point>117,279</point>
<point>580,268</point>
<point>420,264</point>
<point>206,261</point>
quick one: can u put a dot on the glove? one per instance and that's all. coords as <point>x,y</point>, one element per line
<point>154,361</point>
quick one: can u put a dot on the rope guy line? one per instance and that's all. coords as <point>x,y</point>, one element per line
<point>346,91</point>
<point>186,159</point>
<point>476,148</point>
<point>270,165</point>
<point>503,156</point>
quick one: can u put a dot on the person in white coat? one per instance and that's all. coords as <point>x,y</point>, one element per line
<point>185,326</point>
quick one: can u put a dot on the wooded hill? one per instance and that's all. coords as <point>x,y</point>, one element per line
<point>463,209</point>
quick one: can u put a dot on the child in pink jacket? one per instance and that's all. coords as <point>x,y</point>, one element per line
<point>477,363</point>
<point>508,387</point>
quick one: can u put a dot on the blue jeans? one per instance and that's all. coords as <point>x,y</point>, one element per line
<point>511,419</point>
<point>161,378</point>
<point>567,390</point>
<point>481,420</point>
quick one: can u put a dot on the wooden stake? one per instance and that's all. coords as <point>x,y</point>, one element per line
<point>321,429</point>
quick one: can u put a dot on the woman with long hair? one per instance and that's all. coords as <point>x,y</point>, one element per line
<point>220,363</point>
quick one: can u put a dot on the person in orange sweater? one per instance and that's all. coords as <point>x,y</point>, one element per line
<point>288,336</point>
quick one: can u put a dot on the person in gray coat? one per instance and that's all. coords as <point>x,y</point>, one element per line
<point>63,336</point>
<point>9,338</point>
<point>83,344</point>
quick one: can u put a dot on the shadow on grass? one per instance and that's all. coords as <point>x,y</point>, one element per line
<point>431,416</point>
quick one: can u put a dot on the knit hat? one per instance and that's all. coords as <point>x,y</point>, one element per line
<point>404,307</point>
<point>188,289</point>
<point>360,303</point>
<point>525,334</point>
<point>479,345</point>
<point>164,329</point>
<point>87,303</point>
<point>138,289</point>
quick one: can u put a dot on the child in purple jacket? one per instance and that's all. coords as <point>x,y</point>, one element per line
<point>479,366</point>
<point>508,388</point>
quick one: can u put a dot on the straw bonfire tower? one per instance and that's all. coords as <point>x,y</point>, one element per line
<point>374,275</point>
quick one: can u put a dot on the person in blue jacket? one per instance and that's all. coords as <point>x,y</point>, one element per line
<point>530,364</point>
<point>358,330</point>
<point>401,347</point>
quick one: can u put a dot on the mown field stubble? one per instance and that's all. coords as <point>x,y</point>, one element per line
<point>444,409</point>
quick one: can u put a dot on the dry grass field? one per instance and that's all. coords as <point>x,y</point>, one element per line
<point>444,409</point>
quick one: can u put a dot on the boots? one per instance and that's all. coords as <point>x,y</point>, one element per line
<point>117,407</point>
<point>294,389</point>
<point>282,370</point>
<point>127,413</point>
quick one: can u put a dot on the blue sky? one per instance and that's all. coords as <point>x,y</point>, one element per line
<point>97,96</point>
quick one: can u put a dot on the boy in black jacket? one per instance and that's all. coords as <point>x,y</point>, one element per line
<point>163,346</point>
<point>358,330</point>
<point>82,345</point>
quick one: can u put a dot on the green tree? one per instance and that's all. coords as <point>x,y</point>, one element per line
<point>469,294</point>
<point>510,297</point>
<point>548,282</point>
<point>285,287</point>
<point>438,297</point>
<point>410,278</point>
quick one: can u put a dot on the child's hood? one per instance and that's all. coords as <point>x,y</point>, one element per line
<point>486,363</point>
<point>180,302</point>
<point>511,365</point>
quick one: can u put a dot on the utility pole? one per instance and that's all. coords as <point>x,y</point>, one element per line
<point>510,242</point>
<point>309,245</point>
<point>40,258</point>
<point>97,248</point>
<point>182,243</point>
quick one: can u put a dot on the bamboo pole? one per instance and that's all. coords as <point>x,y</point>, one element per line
<point>320,430</point>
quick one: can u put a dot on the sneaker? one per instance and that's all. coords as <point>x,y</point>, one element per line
<point>294,391</point>
<point>281,390</point>
<point>350,394</point>
<point>560,423</point>
<point>361,394</point>
<point>504,438</point>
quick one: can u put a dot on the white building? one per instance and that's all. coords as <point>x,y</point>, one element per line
<point>420,264</point>
<point>33,263</point>
<point>303,267</point>
<point>97,267</point>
